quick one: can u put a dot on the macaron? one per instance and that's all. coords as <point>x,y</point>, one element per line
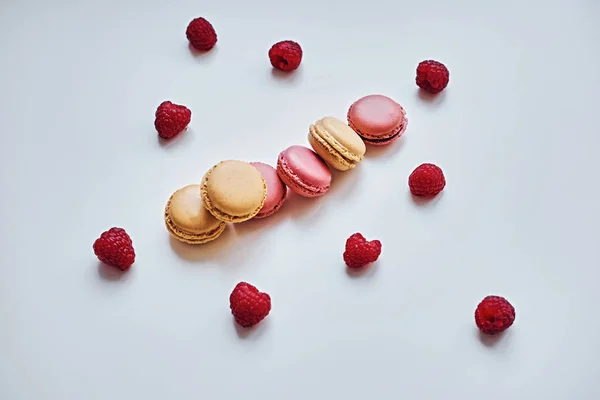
<point>303,171</point>
<point>233,191</point>
<point>276,190</point>
<point>336,143</point>
<point>188,220</point>
<point>377,119</point>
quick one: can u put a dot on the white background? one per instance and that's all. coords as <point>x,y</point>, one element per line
<point>515,132</point>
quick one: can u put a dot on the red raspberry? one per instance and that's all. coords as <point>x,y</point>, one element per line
<point>115,248</point>
<point>432,76</point>
<point>494,314</point>
<point>286,55</point>
<point>201,34</point>
<point>360,252</point>
<point>426,180</point>
<point>248,305</point>
<point>171,119</point>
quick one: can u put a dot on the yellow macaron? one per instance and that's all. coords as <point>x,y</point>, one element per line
<point>336,143</point>
<point>233,191</point>
<point>188,220</point>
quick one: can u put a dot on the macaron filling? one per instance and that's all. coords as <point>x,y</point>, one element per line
<point>182,233</point>
<point>320,129</point>
<point>394,133</point>
<point>341,157</point>
<point>224,216</point>
<point>381,140</point>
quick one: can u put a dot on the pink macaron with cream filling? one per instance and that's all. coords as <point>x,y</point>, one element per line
<point>303,171</point>
<point>276,190</point>
<point>377,119</point>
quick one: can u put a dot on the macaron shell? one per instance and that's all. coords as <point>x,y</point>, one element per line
<point>233,191</point>
<point>377,119</point>
<point>188,220</point>
<point>307,166</point>
<point>276,190</point>
<point>193,239</point>
<point>328,153</point>
<point>386,141</point>
<point>298,187</point>
<point>341,137</point>
<point>303,171</point>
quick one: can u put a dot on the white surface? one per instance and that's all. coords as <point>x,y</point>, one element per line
<point>515,132</point>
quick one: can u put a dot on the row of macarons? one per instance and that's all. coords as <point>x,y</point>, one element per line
<point>235,191</point>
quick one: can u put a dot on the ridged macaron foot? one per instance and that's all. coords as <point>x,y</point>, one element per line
<point>303,171</point>
<point>336,143</point>
<point>276,190</point>
<point>377,119</point>
<point>233,191</point>
<point>188,220</point>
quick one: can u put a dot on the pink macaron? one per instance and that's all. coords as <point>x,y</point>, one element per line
<point>377,119</point>
<point>276,190</point>
<point>304,171</point>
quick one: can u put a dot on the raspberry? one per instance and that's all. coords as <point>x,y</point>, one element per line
<point>360,252</point>
<point>171,119</point>
<point>494,314</point>
<point>201,34</point>
<point>248,305</point>
<point>432,76</point>
<point>115,248</point>
<point>286,55</point>
<point>426,180</point>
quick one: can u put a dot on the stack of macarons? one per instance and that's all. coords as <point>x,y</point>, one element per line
<point>236,191</point>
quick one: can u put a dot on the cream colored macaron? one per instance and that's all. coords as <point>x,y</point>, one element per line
<point>188,220</point>
<point>233,191</point>
<point>336,143</point>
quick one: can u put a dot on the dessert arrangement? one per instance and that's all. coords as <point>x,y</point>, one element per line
<point>235,191</point>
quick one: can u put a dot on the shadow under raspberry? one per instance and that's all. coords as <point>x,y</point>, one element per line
<point>424,201</point>
<point>433,99</point>
<point>109,273</point>
<point>491,340</point>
